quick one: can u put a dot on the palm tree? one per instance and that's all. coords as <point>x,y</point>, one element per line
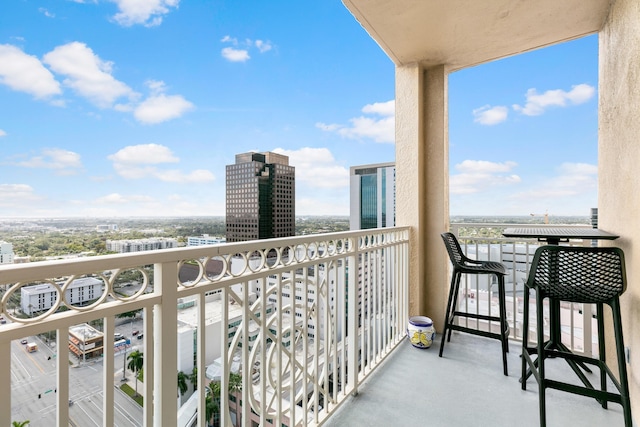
<point>182,383</point>
<point>235,387</point>
<point>193,378</point>
<point>20,423</point>
<point>136,360</point>
<point>212,403</point>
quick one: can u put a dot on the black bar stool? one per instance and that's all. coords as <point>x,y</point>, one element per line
<point>464,265</point>
<point>580,275</point>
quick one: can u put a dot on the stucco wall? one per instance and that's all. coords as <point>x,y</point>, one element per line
<point>619,161</point>
<point>422,192</point>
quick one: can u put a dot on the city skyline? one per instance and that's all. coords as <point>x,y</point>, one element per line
<point>111,111</point>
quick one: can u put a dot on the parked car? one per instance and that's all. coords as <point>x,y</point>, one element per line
<point>139,336</point>
<point>24,341</point>
<point>134,333</point>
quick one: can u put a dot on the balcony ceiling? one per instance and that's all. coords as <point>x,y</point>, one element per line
<point>463,33</point>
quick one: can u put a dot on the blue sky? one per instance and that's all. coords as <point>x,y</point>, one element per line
<point>134,107</point>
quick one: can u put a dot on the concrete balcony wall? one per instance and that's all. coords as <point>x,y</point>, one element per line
<point>618,154</point>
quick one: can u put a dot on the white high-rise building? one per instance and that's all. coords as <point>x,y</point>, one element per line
<point>373,196</point>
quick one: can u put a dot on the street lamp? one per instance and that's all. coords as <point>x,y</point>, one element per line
<point>124,363</point>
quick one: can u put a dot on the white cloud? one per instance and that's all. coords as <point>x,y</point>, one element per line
<point>537,103</point>
<point>25,73</point>
<point>46,13</point>
<point>90,77</point>
<point>63,161</point>
<point>380,129</point>
<point>487,115</point>
<point>87,74</point>
<point>316,167</point>
<point>573,181</point>
<point>118,204</point>
<point>382,108</point>
<point>483,166</point>
<point>578,169</point>
<point>140,161</point>
<point>198,175</point>
<point>263,46</point>
<point>12,195</point>
<point>235,55</point>
<point>156,86</point>
<point>479,175</point>
<point>336,204</point>
<point>160,108</point>
<point>144,154</point>
<point>146,12</point>
<point>119,199</point>
<point>2,133</point>
<point>229,39</point>
<point>241,54</point>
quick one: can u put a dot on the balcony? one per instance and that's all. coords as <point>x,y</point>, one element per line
<point>277,312</point>
<point>301,320</point>
<point>465,387</point>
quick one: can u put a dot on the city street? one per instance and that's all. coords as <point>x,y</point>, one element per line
<point>34,384</point>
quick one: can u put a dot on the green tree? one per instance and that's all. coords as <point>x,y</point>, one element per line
<point>182,383</point>
<point>128,314</point>
<point>136,360</point>
<point>20,423</point>
<point>193,378</point>
<point>235,387</point>
<point>212,403</point>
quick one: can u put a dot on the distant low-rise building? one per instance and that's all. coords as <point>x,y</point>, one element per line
<point>85,341</point>
<point>38,298</point>
<point>6,253</point>
<point>205,239</point>
<point>139,245</point>
<point>103,228</point>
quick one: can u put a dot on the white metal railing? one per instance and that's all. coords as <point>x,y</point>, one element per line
<point>303,320</point>
<point>485,241</point>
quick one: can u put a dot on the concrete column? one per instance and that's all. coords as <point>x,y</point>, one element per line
<point>618,154</point>
<point>422,190</point>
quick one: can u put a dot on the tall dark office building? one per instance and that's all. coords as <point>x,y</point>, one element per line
<point>261,197</point>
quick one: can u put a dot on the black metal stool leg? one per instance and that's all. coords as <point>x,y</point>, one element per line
<point>454,302</point>
<point>541,356</point>
<point>449,311</point>
<point>602,351</point>
<point>525,338</point>
<point>504,327</point>
<point>622,363</point>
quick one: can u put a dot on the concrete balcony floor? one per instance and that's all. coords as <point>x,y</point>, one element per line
<point>466,387</point>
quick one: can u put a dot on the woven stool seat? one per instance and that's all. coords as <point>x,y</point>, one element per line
<point>580,275</point>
